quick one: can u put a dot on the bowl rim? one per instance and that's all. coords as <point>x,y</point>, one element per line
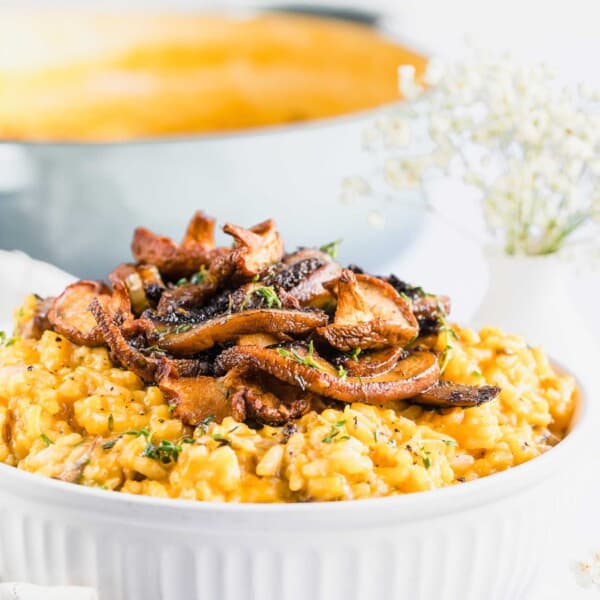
<point>385,29</point>
<point>410,506</point>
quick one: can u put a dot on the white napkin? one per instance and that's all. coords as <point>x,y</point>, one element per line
<point>26,591</point>
<point>21,275</point>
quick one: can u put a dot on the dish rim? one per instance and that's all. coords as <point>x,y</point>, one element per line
<point>409,506</point>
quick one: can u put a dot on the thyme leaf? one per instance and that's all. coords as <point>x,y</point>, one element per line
<point>332,248</point>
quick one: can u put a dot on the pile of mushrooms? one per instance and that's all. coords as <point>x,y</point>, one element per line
<point>251,332</point>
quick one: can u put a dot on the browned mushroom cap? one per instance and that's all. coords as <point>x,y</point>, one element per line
<point>196,398</point>
<point>140,280</point>
<point>257,247</point>
<point>447,394</point>
<point>429,307</point>
<point>206,335</point>
<point>148,368</point>
<point>262,398</point>
<point>297,365</point>
<point>34,327</point>
<point>304,254</point>
<point>69,314</point>
<point>311,291</point>
<point>374,362</point>
<point>370,314</point>
<point>173,259</point>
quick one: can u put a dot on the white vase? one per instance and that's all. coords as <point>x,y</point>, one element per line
<point>530,296</point>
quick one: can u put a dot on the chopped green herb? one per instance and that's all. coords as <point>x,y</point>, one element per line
<point>331,435</point>
<point>309,360</point>
<point>206,422</point>
<point>375,437</point>
<point>110,444</point>
<point>332,248</point>
<point>342,373</point>
<point>450,442</point>
<point>223,441</point>
<point>46,439</point>
<point>180,282</point>
<point>155,349</point>
<point>182,327</point>
<point>407,298</point>
<point>138,432</point>
<point>165,451</point>
<point>171,407</point>
<point>5,340</point>
<point>334,432</point>
<point>445,357</point>
<point>355,353</point>
<point>476,373</point>
<point>111,422</point>
<point>233,428</point>
<point>256,278</point>
<point>425,457</point>
<point>199,277</point>
<point>270,296</point>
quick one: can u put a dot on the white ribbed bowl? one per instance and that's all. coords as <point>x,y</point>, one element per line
<point>480,540</point>
<point>476,541</point>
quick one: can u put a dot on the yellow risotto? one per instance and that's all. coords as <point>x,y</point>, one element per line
<point>66,412</point>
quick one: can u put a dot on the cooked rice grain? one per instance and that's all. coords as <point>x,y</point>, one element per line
<point>66,412</point>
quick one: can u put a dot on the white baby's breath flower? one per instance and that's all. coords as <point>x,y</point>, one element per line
<point>353,188</point>
<point>375,219</point>
<point>530,147</point>
<point>434,71</point>
<point>407,84</point>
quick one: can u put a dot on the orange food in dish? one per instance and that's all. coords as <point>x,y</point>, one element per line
<point>115,77</point>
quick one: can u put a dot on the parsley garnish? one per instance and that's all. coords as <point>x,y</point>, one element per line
<point>198,277</point>
<point>270,296</point>
<point>206,422</point>
<point>450,442</point>
<point>332,248</point>
<point>46,439</point>
<point>180,282</point>
<point>5,340</point>
<point>138,432</point>
<point>165,451</point>
<point>334,432</point>
<point>426,459</point>
<point>307,360</point>
<point>342,373</point>
<point>355,353</point>
<point>110,444</point>
<point>407,298</point>
<point>111,422</point>
<point>223,441</point>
